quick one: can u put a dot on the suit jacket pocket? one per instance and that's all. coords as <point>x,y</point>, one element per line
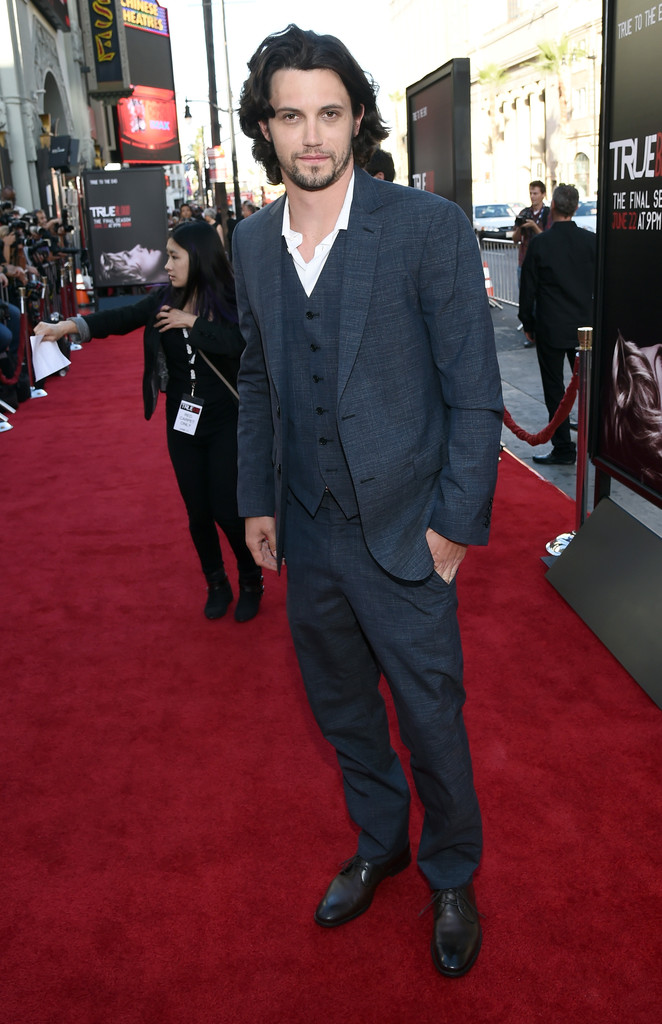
<point>431,460</point>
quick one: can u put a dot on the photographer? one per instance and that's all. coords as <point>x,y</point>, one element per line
<point>15,263</point>
<point>10,321</point>
<point>8,201</point>
<point>529,222</point>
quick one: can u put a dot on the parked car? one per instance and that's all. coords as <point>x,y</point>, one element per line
<point>494,220</point>
<point>586,215</point>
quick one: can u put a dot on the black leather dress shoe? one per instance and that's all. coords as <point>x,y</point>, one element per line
<point>457,933</point>
<point>555,459</point>
<point>351,891</point>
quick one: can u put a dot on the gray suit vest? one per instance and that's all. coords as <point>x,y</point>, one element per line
<point>310,330</point>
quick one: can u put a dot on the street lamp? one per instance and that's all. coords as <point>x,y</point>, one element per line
<point>235,176</point>
<point>215,124</point>
<point>219,199</point>
<point>211,70</point>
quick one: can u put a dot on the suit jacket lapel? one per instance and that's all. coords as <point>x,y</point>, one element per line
<point>361,249</point>
<point>269,266</point>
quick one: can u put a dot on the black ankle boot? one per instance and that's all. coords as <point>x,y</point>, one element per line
<point>250,595</point>
<point>219,595</point>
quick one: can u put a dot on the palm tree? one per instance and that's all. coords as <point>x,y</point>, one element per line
<point>492,76</point>
<point>553,57</point>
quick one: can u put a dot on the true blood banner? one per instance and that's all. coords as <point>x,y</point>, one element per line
<point>127,226</point>
<point>626,437</point>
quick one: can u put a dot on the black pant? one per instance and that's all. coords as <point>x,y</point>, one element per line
<point>551,362</point>
<point>350,622</point>
<point>205,465</point>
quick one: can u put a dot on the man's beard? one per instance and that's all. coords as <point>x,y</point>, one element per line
<point>315,179</point>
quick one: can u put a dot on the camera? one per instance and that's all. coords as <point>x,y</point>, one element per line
<point>520,219</point>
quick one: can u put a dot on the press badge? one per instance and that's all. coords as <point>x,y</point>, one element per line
<point>188,416</point>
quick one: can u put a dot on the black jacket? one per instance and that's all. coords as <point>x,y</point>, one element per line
<point>556,290</point>
<point>220,340</point>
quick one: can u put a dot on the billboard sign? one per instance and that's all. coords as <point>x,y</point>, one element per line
<point>148,131</point>
<point>127,226</point>
<point>102,28</point>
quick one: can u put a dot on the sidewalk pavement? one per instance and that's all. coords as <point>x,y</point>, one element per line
<point>522,393</point>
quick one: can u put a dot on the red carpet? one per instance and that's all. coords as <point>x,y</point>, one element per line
<point>170,816</point>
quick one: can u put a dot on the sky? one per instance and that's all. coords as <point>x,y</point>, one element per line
<point>361,24</point>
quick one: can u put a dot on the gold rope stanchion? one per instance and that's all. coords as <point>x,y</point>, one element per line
<point>585,336</point>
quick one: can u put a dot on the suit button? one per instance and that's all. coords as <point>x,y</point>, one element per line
<point>309,315</point>
<point>314,347</point>
<point>320,411</point>
<point>323,440</point>
<point>317,379</point>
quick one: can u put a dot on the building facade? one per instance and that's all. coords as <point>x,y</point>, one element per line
<point>44,97</point>
<point>535,86</point>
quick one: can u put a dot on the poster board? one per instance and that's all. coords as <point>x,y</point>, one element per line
<point>625,438</point>
<point>127,226</point>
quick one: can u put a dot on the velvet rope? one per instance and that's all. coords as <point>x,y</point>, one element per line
<point>560,415</point>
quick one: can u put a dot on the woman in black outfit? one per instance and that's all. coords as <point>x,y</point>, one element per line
<point>192,338</point>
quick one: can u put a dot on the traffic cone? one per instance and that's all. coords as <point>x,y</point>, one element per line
<point>82,297</point>
<point>488,281</point>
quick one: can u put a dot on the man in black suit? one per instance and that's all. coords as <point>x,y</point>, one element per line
<point>556,298</point>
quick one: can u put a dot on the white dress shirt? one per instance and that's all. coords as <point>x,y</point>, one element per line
<point>309,272</point>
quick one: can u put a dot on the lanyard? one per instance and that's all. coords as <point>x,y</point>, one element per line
<point>191,360</point>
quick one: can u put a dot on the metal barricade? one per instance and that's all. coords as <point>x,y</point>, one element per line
<point>501,258</point>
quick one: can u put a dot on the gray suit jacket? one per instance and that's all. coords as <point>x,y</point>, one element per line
<point>419,404</point>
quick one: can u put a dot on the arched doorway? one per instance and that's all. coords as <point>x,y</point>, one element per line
<point>582,173</point>
<point>54,106</point>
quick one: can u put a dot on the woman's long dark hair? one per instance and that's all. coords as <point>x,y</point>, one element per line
<point>210,285</point>
<point>297,50</point>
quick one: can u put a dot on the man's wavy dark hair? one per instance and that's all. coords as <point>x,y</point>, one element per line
<point>294,49</point>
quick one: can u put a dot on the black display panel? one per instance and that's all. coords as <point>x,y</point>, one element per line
<point>439,133</point>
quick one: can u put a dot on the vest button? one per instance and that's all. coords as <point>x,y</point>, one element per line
<point>317,379</point>
<point>313,347</point>
<point>320,411</point>
<point>309,315</point>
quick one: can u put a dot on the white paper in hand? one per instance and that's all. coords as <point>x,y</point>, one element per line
<point>46,358</point>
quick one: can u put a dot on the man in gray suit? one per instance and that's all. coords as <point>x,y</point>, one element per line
<point>370,415</point>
